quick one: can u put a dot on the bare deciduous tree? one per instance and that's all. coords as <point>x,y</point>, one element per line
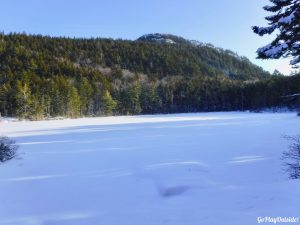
<point>292,157</point>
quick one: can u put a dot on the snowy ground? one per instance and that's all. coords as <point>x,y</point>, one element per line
<point>185,169</point>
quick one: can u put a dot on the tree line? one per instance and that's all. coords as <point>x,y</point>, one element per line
<point>44,77</point>
<point>36,97</point>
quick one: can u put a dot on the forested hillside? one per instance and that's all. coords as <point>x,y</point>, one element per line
<point>45,76</point>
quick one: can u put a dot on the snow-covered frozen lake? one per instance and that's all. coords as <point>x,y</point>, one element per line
<point>183,169</point>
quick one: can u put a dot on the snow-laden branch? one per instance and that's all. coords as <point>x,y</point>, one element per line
<point>285,20</point>
<point>271,51</point>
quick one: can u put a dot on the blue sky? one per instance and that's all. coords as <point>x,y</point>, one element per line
<point>223,23</point>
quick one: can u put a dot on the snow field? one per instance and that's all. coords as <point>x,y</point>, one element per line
<point>202,168</point>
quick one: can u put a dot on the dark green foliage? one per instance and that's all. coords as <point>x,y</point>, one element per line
<point>47,56</point>
<point>73,103</point>
<point>109,104</point>
<point>8,149</point>
<point>47,77</point>
<point>150,99</point>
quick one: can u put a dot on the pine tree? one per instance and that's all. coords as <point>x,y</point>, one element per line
<point>150,100</point>
<point>37,111</point>
<point>4,90</point>
<point>85,92</point>
<point>108,103</point>
<point>73,106</point>
<point>134,93</point>
<point>23,100</point>
<point>285,19</point>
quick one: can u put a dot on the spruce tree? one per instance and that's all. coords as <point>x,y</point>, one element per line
<point>284,19</point>
<point>108,103</point>
<point>23,100</point>
<point>85,91</point>
<point>73,106</point>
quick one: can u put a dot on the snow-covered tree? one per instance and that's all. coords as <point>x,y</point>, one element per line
<point>8,149</point>
<point>285,22</point>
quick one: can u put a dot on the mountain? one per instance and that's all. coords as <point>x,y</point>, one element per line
<point>157,55</point>
<point>207,58</point>
<point>167,39</point>
<point>42,76</point>
<point>157,38</point>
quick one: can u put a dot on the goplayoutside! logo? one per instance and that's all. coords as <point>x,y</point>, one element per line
<point>278,219</point>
